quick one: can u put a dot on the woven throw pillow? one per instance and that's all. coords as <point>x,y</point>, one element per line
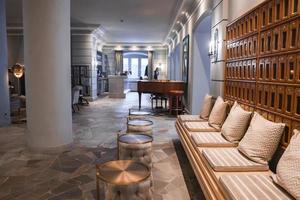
<point>236,123</point>
<point>218,113</point>
<point>206,107</point>
<point>288,168</point>
<point>261,139</point>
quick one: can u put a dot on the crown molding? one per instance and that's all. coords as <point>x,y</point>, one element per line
<point>183,19</point>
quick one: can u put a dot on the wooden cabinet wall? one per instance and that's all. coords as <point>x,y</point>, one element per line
<point>263,62</point>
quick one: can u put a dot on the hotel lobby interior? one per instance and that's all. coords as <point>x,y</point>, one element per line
<point>149,99</point>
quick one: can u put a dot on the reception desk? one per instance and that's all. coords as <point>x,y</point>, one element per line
<point>116,86</point>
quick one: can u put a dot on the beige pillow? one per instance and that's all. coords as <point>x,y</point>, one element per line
<point>218,113</point>
<point>236,123</point>
<point>288,168</point>
<point>261,139</point>
<point>206,107</point>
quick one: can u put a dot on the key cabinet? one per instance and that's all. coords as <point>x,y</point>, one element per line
<point>263,62</point>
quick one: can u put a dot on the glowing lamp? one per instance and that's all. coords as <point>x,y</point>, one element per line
<point>18,70</point>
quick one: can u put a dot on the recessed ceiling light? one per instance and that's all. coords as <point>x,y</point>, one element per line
<point>134,48</point>
<point>178,22</point>
<point>121,20</point>
<point>149,48</point>
<point>118,48</point>
<point>183,12</point>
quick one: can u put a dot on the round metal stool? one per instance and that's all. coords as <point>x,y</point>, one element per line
<point>140,126</point>
<point>136,114</point>
<point>124,179</point>
<point>136,147</point>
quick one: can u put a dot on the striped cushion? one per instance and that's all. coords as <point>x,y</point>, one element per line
<point>230,159</point>
<point>200,127</point>
<point>191,118</point>
<point>211,139</point>
<point>248,187</point>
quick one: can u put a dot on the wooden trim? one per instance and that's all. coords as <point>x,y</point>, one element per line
<point>207,182</point>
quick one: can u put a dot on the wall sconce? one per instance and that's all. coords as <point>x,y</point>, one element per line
<point>18,70</point>
<point>214,46</point>
<point>210,50</point>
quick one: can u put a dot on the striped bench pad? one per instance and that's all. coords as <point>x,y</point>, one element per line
<point>231,160</point>
<point>190,118</point>
<point>252,187</point>
<point>200,127</point>
<point>211,139</point>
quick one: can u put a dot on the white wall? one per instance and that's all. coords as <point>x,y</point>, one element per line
<point>239,7</point>
<point>177,63</point>
<point>219,21</point>
<point>171,66</point>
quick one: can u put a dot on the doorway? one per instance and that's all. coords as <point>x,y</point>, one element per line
<point>200,64</point>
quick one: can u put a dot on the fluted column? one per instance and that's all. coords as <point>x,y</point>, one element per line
<point>48,73</point>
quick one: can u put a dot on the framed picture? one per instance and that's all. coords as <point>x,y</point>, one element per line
<point>185,64</point>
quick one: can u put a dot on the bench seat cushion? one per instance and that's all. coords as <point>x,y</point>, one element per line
<point>200,127</point>
<point>211,139</point>
<point>231,160</point>
<point>255,186</point>
<point>191,118</point>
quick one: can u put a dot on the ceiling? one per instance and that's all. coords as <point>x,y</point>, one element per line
<point>144,21</point>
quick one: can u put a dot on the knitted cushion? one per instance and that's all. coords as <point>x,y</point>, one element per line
<point>261,139</point>
<point>218,113</point>
<point>206,107</point>
<point>288,168</point>
<point>236,123</point>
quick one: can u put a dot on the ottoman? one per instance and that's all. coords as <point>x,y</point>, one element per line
<point>136,114</point>
<point>124,180</point>
<point>136,147</point>
<point>140,126</point>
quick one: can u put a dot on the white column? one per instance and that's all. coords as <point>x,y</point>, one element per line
<point>48,73</point>
<point>4,91</point>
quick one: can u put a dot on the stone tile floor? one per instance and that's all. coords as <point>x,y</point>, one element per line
<point>71,174</point>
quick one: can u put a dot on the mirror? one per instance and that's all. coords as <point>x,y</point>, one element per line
<point>185,64</point>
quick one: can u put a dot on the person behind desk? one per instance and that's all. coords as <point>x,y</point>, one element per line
<point>156,73</point>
